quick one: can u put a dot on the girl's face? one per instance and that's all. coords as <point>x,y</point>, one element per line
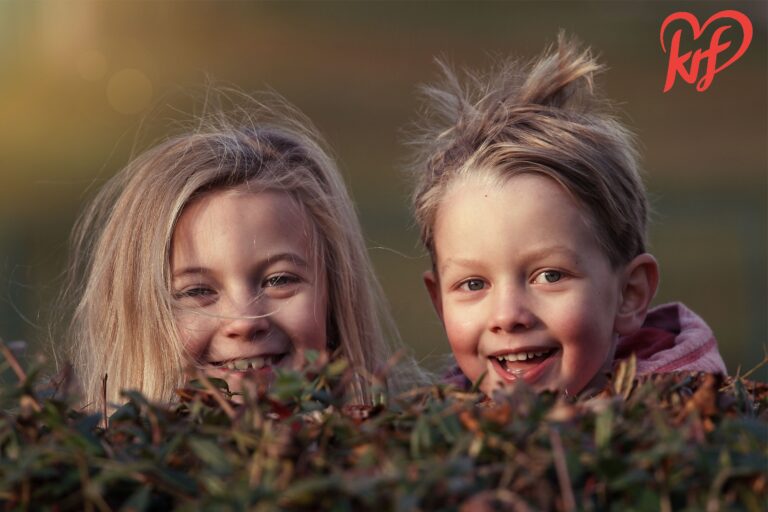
<point>249,295</point>
<point>522,286</point>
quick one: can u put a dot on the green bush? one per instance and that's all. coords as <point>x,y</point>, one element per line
<point>668,442</point>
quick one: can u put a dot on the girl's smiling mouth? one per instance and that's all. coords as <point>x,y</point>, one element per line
<point>251,363</point>
<point>528,364</point>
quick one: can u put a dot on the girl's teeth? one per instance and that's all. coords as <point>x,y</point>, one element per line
<point>254,362</point>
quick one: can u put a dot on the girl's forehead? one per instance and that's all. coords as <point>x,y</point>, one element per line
<point>266,211</point>
<point>246,198</point>
<point>224,227</point>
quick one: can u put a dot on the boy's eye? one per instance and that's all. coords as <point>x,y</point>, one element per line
<point>280,280</point>
<point>548,276</point>
<point>473,285</point>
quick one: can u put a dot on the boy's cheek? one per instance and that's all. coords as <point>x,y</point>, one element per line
<point>464,341</point>
<point>589,352</point>
<point>461,332</point>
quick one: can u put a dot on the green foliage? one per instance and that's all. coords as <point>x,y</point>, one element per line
<point>668,442</point>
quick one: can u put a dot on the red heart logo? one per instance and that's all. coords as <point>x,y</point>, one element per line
<point>677,61</point>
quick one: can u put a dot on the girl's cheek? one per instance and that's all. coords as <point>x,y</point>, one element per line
<point>192,332</point>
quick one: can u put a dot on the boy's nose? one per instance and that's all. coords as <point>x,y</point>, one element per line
<point>246,320</point>
<point>511,311</point>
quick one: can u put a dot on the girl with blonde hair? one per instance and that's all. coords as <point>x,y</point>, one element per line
<point>235,248</point>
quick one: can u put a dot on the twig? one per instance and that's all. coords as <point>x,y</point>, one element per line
<point>62,382</point>
<point>750,372</point>
<point>12,362</point>
<point>225,406</point>
<point>757,367</point>
<point>104,401</point>
<point>26,399</point>
<point>562,470</point>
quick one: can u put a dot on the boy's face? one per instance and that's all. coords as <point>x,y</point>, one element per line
<point>522,286</point>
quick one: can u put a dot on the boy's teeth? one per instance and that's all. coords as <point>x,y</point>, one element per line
<point>522,356</point>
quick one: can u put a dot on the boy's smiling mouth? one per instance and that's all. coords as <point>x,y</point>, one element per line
<point>528,364</point>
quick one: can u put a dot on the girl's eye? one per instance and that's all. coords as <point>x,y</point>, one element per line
<point>194,292</point>
<point>280,280</point>
<point>548,276</point>
<point>473,285</point>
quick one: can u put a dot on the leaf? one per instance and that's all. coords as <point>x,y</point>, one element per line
<point>210,453</point>
<point>604,428</point>
<point>623,382</point>
<point>138,502</point>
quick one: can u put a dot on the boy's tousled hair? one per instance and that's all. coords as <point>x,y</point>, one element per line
<point>544,118</point>
<point>120,282</point>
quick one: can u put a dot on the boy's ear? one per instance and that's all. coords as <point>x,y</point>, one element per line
<point>639,284</point>
<point>432,283</point>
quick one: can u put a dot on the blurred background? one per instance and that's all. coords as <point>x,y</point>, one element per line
<point>85,85</point>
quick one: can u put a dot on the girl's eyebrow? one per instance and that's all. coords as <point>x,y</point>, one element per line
<point>190,271</point>
<point>287,256</point>
<point>291,257</point>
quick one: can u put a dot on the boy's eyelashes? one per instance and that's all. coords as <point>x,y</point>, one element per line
<point>548,276</point>
<point>472,285</point>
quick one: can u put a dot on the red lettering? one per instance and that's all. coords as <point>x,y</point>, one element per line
<point>711,56</point>
<point>677,61</point>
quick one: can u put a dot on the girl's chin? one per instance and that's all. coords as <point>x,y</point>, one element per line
<point>239,380</point>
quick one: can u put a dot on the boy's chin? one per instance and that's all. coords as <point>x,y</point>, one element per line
<point>598,383</point>
<point>592,387</point>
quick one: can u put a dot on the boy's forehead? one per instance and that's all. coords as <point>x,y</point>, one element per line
<point>536,211</point>
<point>477,176</point>
<point>490,180</point>
<point>484,183</point>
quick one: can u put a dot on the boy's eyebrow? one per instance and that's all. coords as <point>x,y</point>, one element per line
<point>531,255</point>
<point>544,251</point>
<point>464,262</point>
<point>283,256</point>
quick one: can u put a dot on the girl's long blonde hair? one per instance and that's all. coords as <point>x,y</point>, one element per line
<point>120,284</point>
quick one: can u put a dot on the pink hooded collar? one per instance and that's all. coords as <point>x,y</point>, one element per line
<point>673,338</point>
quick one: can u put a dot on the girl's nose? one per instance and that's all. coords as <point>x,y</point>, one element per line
<point>246,322</point>
<point>511,311</point>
